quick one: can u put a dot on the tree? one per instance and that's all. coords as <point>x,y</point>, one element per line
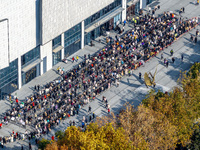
<point>161,121</point>
<point>195,140</point>
<point>43,143</point>
<point>59,134</point>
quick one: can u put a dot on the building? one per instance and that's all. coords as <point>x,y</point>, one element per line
<point>37,34</point>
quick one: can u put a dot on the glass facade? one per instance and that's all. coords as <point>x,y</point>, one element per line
<point>56,57</point>
<point>149,1</point>
<point>117,20</point>
<point>30,56</point>
<point>56,42</point>
<point>26,60</point>
<point>31,74</point>
<point>72,40</point>
<point>9,79</point>
<point>104,27</point>
<point>102,12</point>
<point>92,35</point>
<point>137,7</point>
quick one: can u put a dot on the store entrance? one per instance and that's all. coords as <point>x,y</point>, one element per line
<point>107,27</point>
<point>56,57</point>
<point>101,30</point>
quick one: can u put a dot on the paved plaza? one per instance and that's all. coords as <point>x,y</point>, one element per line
<point>131,89</point>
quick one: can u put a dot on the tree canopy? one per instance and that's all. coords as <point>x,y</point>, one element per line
<point>161,121</point>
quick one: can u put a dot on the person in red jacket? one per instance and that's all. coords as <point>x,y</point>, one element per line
<point>108,110</point>
<point>33,104</point>
<point>52,137</point>
<point>17,101</point>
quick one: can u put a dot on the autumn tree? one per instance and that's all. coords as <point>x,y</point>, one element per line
<point>161,121</point>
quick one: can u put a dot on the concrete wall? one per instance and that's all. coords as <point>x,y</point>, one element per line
<point>46,51</point>
<point>21,17</point>
<point>4,61</point>
<point>60,15</point>
<point>143,4</point>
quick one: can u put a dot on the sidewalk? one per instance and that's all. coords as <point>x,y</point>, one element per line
<point>130,88</point>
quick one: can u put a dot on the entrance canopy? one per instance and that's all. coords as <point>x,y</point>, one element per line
<point>104,19</point>
<point>57,49</point>
<point>30,66</point>
<point>132,2</point>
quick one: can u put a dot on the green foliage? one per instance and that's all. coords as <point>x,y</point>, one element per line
<point>195,140</point>
<point>59,134</point>
<point>43,143</point>
<point>194,70</point>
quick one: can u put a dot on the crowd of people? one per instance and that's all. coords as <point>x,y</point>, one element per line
<point>65,96</point>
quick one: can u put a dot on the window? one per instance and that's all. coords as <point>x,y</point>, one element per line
<point>102,12</point>
<point>56,42</point>
<point>72,35</point>
<point>9,73</point>
<point>30,56</point>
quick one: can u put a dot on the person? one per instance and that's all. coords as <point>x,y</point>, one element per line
<point>197,32</point>
<point>153,12</point>
<point>149,9</point>
<point>70,123</point>
<point>30,147</point>
<point>17,101</point>
<point>38,86</point>
<point>74,123</point>
<point>124,22</point>
<point>22,148</point>
<point>140,75</point>
<point>58,69</point>
<point>103,98</point>
<point>83,124</point>
<point>161,56</point>
<point>117,82</point>
<point>191,38</point>
<point>129,72</point>
<point>171,52</point>
<point>182,57</point>
<point>167,63</point>
<point>77,57</point>
<point>89,108</point>
<point>195,40</point>
<point>180,11</point>
<point>108,110</point>
<point>116,37</point>
<point>173,59</point>
<point>73,59</point>
<point>93,115</point>
<point>183,9</point>
<point>52,138</point>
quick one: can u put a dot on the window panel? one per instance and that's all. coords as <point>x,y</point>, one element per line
<point>30,56</point>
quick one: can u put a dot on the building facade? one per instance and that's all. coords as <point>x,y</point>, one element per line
<point>37,34</point>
